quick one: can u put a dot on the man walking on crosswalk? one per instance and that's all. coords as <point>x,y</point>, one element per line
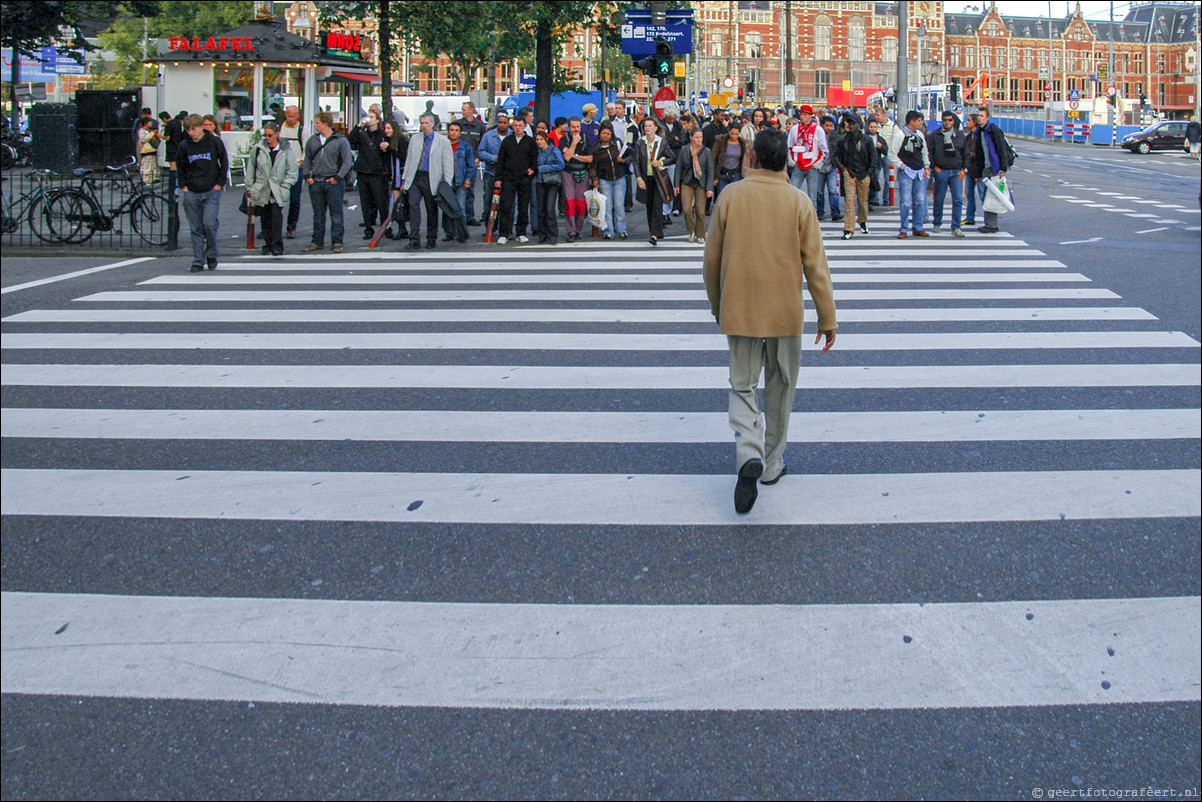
<point>755,295</point>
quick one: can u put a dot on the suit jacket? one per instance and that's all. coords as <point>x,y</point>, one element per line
<point>756,291</point>
<point>442,162</point>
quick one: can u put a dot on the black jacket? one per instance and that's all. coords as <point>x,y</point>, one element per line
<point>941,157</point>
<point>981,158</point>
<point>202,165</point>
<point>370,159</point>
<point>173,131</point>
<point>861,161</point>
<point>514,158</point>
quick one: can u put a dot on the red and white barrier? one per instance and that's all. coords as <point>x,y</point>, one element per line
<point>1053,130</point>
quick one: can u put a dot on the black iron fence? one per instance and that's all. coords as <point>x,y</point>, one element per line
<point>103,209</point>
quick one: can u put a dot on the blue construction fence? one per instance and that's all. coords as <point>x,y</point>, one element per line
<point>1062,128</point>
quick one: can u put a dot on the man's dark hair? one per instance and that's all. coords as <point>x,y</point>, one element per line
<point>772,149</point>
<point>913,115</point>
<point>561,121</point>
<point>165,116</point>
<point>146,111</point>
<point>827,118</point>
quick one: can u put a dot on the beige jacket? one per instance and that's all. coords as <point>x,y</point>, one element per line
<point>763,239</point>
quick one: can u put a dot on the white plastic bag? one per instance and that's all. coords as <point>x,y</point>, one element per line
<point>598,204</point>
<point>997,196</point>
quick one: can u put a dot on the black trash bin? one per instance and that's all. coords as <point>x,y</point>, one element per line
<point>106,125</point>
<point>52,126</point>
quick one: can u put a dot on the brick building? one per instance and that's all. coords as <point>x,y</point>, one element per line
<point>1015,57</point>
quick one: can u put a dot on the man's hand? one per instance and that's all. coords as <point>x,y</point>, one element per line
<point>830,339</point>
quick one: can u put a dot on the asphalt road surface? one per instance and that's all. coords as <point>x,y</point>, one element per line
<point>459,525</point>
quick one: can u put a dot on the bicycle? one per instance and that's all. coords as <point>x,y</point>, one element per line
<point>37,205</point>
<point>147,209</point>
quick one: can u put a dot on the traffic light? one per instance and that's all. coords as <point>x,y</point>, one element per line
<point>661,64</point>
<point>954,90</point>
<point>740,94</point>
<point>751,88</point>
<point>1110,100</point>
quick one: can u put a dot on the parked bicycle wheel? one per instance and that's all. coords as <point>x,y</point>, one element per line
<point>41,220</point>
<point>149,218</point>
<point>73,217</point>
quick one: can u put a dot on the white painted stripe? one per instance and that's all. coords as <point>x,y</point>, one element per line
<point>1120,210</point>
<point>1150,230</point>
<point>478,341</point>
<point>535,377</point>
<point>587,657</point>
<point>1080,201</point>
<point>603,250</point>
<point>842,260</point>
<point>76,274</point>
<point>646,295</point>
<point>1143,215</point>
<point>686,278</point>
<point>595,427</point>
<point>1062,197</point>
<point>1109,193</point>
<point>600,499</point>
<point>550,315</point>
<point>1149,201</point>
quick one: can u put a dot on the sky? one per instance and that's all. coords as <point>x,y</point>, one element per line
<point>1093,9</point>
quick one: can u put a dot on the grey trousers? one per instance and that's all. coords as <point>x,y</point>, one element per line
<point>762,435</point>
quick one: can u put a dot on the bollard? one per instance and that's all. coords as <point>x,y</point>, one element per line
<point>893,185</point>
<point>172,210</point>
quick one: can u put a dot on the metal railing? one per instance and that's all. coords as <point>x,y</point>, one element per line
<point>107,208</point>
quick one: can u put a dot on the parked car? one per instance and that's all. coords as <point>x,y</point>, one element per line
<point>1168,135</point>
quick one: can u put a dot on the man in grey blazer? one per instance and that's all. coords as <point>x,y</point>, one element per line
<point>428,163</point>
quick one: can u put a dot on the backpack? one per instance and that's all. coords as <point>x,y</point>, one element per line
<point>1013,152</point>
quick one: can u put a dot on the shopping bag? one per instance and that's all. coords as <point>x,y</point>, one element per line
<point>997,196</point>
<point>598,204</point>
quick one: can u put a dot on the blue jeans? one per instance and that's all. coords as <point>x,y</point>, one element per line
<point>467,201</point>
<point>722,182</point>
<point>882,178</point>
<point>201,209</point>
<point>324,195</point>
<point>828,193</point>
<point>463,196</point>
<point>945,179</point>
<point>911,200</point>
<point>808,181</point>
<point>615,215</point>
<point>970,190</point>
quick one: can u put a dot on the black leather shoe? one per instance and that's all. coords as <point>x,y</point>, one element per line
<point>473,222</point>
<point>413,245</point>
<point>448,237</point>
<point>745,489</point>
<point>431,245</point>
<point>195,268</point>
<point>212,264</point>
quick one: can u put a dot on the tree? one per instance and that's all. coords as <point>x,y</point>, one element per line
<point>28,27</point>
<point>384,12</point>
<point>472,35</point>
<point>550,21</point>
<point>622,73</point>
<point>124,36</point>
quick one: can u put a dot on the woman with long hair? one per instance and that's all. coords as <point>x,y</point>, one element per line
<point>694,183</point>
<point>652,156</point>
<point>394,146</point>
<point>732,159</point>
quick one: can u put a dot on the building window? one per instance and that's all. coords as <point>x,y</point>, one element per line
<point>889,50</point>
<point>1028,90</point>
<point>822,39</point>
<point>753,45</point>
<point>717,47</point>
<point>954,56</point>
<point>822,82</point>
<point>1138,58</point>
<point>986,58</point>
<point>1013,88</point>
<point>970,58</point>
<point>855,38</point>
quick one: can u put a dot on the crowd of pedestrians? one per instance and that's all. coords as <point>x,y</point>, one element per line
<point>536,178</point>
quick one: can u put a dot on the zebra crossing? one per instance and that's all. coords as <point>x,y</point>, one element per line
<point>573,396</point>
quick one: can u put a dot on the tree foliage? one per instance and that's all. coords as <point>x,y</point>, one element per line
<point>469,34</point>
<point>176,17</point>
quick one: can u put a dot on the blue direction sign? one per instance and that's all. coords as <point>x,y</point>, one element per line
<point>638,39</point>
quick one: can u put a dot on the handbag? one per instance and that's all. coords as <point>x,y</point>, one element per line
<point>245,206</point>
<point>598,205</point>
<point>554,177</point>
<point>997,196</point>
